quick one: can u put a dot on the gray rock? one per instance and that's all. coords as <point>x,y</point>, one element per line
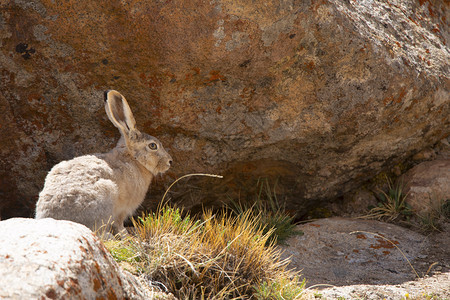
<point>59,260</point>
<point>339,251</point>
<point>435,287</point>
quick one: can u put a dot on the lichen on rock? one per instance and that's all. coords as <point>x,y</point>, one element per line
<point>322,95</point>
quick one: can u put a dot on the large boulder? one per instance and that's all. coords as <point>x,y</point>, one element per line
<point>320,94</point>
<point>55,259</point>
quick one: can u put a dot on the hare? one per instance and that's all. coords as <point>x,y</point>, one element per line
<point>105,188</point>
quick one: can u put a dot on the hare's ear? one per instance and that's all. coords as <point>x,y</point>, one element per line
<point>119,113</point>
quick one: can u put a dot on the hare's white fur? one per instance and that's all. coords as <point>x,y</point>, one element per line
<point>104,189</point>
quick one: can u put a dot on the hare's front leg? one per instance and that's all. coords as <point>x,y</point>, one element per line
<point>118,224</point>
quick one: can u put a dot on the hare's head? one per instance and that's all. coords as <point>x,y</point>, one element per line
<point>146,149</point>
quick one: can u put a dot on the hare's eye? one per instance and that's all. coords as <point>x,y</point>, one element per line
<point>153,146</point>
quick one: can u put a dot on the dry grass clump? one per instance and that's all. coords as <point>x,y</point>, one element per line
<point>267,212</point>
<point>392,204</point>
<point>392,207</point>
<point>217,257</point>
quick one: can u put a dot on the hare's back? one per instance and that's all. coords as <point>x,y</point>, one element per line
<point>76,189</point>
<point>80,170</point>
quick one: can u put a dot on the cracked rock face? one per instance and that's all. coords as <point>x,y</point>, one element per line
<point>321,95</point>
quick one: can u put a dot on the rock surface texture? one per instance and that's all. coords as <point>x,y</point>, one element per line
<point>322,94</point>
<point>341,253</point>
<point>59,260</point>
<point>424,288</point>
<point>427,186</point>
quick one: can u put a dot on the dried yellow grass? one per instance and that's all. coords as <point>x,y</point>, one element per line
<point>215,257</point>
<point>219,257</point>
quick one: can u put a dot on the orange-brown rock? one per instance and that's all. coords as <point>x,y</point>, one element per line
<point>322,94</point>
<point>427,187</point>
